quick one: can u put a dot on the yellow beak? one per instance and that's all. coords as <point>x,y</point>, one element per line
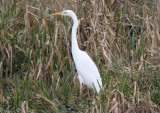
<point>57,13</point>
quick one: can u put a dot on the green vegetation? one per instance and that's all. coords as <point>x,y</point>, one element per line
<point>37,72</point>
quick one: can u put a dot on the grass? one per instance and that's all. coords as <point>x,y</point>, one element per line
<point>37,72</point>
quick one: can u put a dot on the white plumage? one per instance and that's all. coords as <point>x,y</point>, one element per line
<point>88,73</point>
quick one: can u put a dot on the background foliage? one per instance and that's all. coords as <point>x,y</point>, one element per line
<point>37,72</point>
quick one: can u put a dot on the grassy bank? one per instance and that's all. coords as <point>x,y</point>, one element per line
<point>37,72</point>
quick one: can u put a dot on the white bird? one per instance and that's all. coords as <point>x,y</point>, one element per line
<point>88,73</point>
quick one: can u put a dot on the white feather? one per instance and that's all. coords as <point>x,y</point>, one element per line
<point>87,70</point>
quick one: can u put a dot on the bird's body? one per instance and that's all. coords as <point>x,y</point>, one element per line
<point>88,73</point>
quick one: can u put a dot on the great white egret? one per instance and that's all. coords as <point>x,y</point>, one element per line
<point>88,73</point>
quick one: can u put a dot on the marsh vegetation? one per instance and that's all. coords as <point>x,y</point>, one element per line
<point>37,72</point>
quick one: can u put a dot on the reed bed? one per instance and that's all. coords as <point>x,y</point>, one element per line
<point>37,72</point>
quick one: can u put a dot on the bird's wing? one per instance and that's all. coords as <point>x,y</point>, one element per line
<point>87,69</point>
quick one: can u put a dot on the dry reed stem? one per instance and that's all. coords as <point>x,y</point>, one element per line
<point>47,100</point>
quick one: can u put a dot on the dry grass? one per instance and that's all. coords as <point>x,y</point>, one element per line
<point>37,73</point>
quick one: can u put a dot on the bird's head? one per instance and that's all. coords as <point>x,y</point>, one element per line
<point>69,13</point>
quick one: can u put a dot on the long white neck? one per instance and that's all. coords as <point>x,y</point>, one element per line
<point>74,44</point>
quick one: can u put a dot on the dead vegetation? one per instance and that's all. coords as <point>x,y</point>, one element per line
<point>37,73</point>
